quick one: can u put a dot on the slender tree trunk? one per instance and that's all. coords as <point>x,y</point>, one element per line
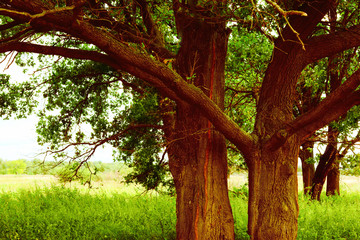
<point>308,169</point>
<point>333,177</point>
<point>325,163</point>
<point>333,180</point>
<point>198,158</point>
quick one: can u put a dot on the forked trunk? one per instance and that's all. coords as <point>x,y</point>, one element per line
<point>273,202</point>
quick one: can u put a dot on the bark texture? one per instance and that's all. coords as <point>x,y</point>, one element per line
<point>273,203</point>
<point>273,206</point>
<point>198,152</point>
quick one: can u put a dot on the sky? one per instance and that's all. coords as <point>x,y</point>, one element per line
<point>18,137</point>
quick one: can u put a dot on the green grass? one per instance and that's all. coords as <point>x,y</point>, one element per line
<point>334,217</point>
<point>55,212</point>
<point>62,213</point>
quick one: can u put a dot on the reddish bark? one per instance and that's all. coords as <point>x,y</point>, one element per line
<point>198,158</point>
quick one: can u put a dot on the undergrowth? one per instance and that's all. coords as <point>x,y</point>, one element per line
<point>63,213</point>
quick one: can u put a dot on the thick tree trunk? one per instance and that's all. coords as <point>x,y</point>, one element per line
<point>308,169</point>
<point>273,203</point>
<point>200,175</point>
<point>273,185</point>
<point>198,158</point>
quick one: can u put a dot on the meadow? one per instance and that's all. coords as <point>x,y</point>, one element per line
<point>39,207</point>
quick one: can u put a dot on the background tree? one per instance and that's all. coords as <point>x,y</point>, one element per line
<point>328,74</point>
<point>128,39</point>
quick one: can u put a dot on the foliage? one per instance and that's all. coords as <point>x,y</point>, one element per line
<point>13,167</point>
<point>87,104</point>
<point>350,165</point>
<point>72,172</point>
<point>241,192</point>
<point>247,58</point>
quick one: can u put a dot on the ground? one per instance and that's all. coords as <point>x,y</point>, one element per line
<point>114,180</point>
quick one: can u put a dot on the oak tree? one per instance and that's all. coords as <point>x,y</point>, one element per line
<point>125,36</point>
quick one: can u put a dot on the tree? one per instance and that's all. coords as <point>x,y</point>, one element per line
<point>328,75</point>
<point>130,41</point>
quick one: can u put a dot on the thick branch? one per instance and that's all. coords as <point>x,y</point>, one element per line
<point>123,57</point>
<point>12,13</point>
<point>51,50</point>
<point>85,55</point>
<point>304,25</point>
<point>152,71</point>
<point>330,44</point>
<point>330,109</point>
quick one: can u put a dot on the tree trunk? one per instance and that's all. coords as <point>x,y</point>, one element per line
<point>273,202</point>
<point>198,158</point>
<point>308,169</point>
<point>325,163</point>
<point>333,179</point>
<point>200,175</point>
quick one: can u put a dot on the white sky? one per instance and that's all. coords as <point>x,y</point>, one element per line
<point>18,137</point>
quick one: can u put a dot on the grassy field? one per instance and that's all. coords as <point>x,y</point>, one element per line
<point>38,207</point>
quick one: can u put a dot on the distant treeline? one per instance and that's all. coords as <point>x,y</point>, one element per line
<point>60,169</point>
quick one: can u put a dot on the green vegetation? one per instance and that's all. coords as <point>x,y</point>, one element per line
<point>63,213</point>
<point>335,217</point>
<point>58,212</point>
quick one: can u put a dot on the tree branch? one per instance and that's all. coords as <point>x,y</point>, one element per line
<point>327,45</point>
<point>330,109</point>
<point>121,56</point>
<point>9,12</point>
<point>86,55</point>
<point>151,27</point>
<point>52,50</point>
<point>304,25</point>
